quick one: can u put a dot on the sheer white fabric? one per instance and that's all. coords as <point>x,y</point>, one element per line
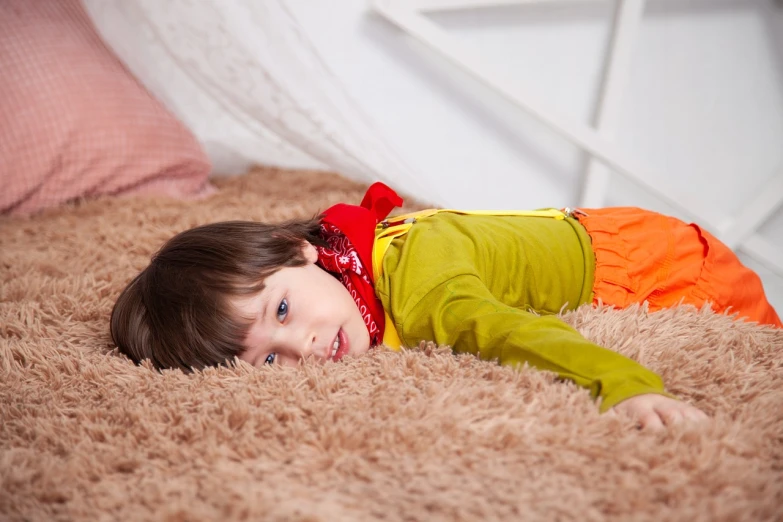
<point>249,82</point>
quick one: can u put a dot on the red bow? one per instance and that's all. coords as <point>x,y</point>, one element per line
<point>349,230</point>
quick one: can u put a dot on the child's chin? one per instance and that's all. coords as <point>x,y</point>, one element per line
<point>361,349</point>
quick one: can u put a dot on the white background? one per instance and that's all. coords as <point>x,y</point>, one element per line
<point>703,106</point>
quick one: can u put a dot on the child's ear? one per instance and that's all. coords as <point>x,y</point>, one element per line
<point>310,252</point>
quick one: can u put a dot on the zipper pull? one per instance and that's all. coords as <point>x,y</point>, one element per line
<point>571,212</point>
<point>386,223</point>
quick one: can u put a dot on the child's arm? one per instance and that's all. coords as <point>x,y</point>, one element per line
<point>461,312</point>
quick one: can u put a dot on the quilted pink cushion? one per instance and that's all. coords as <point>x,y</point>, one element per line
<point>75,123</point>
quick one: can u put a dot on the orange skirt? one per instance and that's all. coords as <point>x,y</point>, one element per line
<point>645,256</point>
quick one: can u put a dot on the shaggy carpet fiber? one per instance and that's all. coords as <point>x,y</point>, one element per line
<point>417,435</point>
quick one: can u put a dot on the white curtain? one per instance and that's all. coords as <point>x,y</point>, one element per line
<point>248,81</point>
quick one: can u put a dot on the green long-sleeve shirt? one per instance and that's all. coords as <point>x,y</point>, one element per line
<point>471,281</point>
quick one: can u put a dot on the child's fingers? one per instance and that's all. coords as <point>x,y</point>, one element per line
<point>653,412</point>
<point>673,413</point>
<point>696,415</point>
<point>678,412</point>
<point>651,421</point>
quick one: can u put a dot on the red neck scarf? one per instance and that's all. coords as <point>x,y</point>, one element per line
<point>349,230</point>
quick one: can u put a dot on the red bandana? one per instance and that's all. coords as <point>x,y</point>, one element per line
<point>349,230</point>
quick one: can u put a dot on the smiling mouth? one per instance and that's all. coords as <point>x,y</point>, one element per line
<point>335,346</point>
<point>339,346</point>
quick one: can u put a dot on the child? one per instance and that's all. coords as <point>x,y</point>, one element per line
<point>350,280</point>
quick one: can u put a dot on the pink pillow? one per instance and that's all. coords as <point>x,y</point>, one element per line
<point>74,122</point>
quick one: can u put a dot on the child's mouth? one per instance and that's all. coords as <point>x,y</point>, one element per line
<point>339,346</point>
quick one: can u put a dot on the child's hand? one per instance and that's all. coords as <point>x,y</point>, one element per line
<point>655,411</point>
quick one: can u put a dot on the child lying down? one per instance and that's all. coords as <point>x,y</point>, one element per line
<point>487,283</point>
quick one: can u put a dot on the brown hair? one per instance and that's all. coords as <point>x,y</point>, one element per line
<point>177,311</point>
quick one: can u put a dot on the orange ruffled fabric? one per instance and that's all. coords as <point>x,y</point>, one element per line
<point>645,256</point>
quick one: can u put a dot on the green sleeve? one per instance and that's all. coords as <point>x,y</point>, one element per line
<point>462,313</point>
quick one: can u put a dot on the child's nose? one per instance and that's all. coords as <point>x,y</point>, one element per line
<point>301,342</point>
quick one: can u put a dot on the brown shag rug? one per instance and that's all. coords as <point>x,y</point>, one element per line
<point>421,435</point>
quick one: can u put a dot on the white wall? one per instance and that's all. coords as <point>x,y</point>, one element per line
<point>704,105</point>
<point>703,108</point>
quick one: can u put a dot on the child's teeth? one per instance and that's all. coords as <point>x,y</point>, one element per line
<point>335,346</point>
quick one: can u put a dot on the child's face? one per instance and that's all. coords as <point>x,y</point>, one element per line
<point>302,312</point>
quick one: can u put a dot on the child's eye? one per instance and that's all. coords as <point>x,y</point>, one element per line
<point>282,310</point>
<point>270,359</point>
